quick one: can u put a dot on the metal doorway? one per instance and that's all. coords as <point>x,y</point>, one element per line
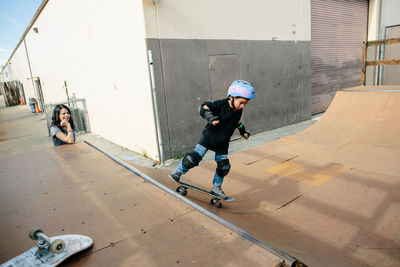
<point>39,93</point>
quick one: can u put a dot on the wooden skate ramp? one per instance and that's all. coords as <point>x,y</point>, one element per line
<point>329,196</point>
<point>77,190</point>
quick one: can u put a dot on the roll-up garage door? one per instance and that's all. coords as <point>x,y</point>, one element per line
<point>338,29</point>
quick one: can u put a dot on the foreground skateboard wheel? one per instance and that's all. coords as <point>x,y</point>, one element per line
<point>181,190</point>
<point>57,246</point>
<point>35,230</point>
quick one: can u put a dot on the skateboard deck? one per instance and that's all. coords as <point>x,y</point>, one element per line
<point>50,251</point>
<point>216,200</point>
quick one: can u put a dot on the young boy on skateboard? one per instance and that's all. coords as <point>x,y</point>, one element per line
<point>223,117</point>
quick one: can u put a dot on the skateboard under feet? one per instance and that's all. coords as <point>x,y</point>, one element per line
<point>216,200</point>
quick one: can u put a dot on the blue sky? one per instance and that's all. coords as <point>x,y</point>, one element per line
<point>15,15</point>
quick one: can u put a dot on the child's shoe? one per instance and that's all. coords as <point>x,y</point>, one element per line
<point>217,190</point>
<point>176,176</point>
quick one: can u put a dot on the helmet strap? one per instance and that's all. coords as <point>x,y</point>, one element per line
<point>233,104</point>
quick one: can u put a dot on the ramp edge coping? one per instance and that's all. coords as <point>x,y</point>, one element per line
<point>371,90</point>
<point>284,256</point>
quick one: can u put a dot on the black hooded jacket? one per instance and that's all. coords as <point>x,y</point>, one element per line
<point>216,138</point>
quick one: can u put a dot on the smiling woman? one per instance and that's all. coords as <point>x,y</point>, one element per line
<point>62,129</point>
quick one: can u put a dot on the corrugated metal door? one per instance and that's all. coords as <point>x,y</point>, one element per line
<point>338,28</point>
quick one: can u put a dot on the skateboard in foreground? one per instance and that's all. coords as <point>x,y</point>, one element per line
<point>216,200</point>
<point>50,251</point>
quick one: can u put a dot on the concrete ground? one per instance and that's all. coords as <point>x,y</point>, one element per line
<point>21,131</point>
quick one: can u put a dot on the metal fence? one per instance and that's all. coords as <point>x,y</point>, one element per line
<point>79,114</point>
<point>381,44</point>
<point>13,92</point>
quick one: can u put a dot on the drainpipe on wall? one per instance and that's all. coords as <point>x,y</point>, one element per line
<point>153,85</point>
<point>381,34</point>
<point>30,68</point>
<point>66,90</point>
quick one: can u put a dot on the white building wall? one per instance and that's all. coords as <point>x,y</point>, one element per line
<point>98,48</point>
<point>390,12</point>
<point>229,19</point>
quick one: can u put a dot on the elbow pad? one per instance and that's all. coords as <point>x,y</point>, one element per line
<point>207,114</point>
<point>242,129</point>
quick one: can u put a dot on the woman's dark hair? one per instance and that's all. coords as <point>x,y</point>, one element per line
<point>56,116</point>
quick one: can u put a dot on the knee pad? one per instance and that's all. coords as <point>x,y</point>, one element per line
<point>223,167</point>
<point>191,160</point>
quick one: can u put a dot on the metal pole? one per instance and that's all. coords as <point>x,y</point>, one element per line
<point>66,91</point>
<point>153,85</point>
<point>30,68</point>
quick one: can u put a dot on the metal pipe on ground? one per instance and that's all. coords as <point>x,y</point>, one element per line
<point>287,259</point>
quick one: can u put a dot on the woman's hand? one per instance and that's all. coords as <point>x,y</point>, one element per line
<point>246,136</point>
<point>66,138</point>
<point>65,124</point>
<point>215,122</point>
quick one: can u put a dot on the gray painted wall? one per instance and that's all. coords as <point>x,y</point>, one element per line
<point>187,73</point>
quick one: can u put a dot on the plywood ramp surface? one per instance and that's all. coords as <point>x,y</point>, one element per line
<point>78,190</point>
<point>328,196</point>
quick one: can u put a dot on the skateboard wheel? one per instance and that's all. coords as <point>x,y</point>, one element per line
<point>218,204</point>
<point>35,230</point>
<point>57,246</point>
<point>181,190</point>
